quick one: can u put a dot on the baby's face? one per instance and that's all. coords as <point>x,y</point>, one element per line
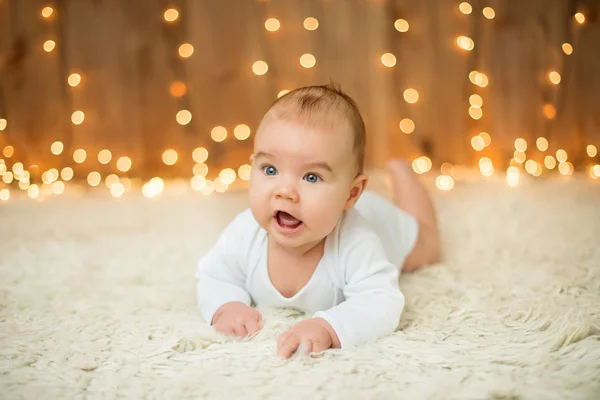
<point>301,181</point>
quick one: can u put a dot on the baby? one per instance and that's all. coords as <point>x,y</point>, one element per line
<point>313,239</point>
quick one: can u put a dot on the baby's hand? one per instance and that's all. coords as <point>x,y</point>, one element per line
<point>237,319</point>
<point>313,335</point>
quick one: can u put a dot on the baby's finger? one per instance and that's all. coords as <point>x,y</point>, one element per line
<point>306,347</point>
<point>226,330</point>
<point>318,348</point>
<point>252,327</point>
<point>240,330</point>
<point>288,347</point>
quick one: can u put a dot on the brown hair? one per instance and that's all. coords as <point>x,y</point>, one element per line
<point>319,104</point>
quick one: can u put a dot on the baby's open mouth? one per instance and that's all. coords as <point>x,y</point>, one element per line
<point>287,220</point>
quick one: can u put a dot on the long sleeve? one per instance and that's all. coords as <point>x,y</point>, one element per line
<point>220,273</point>
<point>373,300</point>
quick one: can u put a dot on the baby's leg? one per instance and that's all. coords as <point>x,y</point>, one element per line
<point>409,195</point>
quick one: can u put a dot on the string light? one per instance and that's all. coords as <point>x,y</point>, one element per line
<point>124,164</point>
<point>542,143</point>
<point>244,172</point>
<point>186,50</point>
<point>422,165</point>
<point>260,67</point>
<point>308,60</point>
<point>218,133</point>
<point>66,174</point>
<point>227,176</point>
<point>561,155</point>
<point>33,191</point>
<point>565,168</point>
<point>177,89</point>
<point>208,188</point>
<point>512,176</point>
<point>241,132</point>
<point>78,117</point>
<point>49,45</point>
<point>549,162</point>
<point>198,182</point>
<point>580,18</point>
<point>401,25</point>
<point>24,185</point>
<point>388,59</point>
<point>58,187</point>
<point>200,169</point>
<point>4,194</point>
<point>7,177</point>
<point>169,157</point>
<point>444,182</point>
<point>200,154</point>
<point>477,143</point>
<point>282,93</point>
<point>489,12</point>
<point>8,151</point>
<point>595,171</point>
<point>549,111</point>
<point>47,12</point>
<point>111,180</point>
<point>2,167</point>
<point>554,77</point>
<point>272,24</point>
<point>56,148</point>
<point>104,156</point>
<point>74,79</point>
<point>183,117</point>
<point>591,150</point>
<point>407,126</point>
<point>478,78</point>
<point>487,139</point>
<point>3,124</point>
<point>153,188</point>
<point>486,167</point>
<point>520,144</point>
<point>311,24</point>
<point>475,113</point>
<point>465,43</point>
<point>567,48</point>
<point>519,156</point>
<point>220,186</point>
<point>171,15</point>
<point>17,168</point>
<point>476,101</point>
<point>465,8</point>
<point>447,169</point>
<point>117,189</point>
<point>411,95</point>
<point>94,178</point>
<point>79,156</point>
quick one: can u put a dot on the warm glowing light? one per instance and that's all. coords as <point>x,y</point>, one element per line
<point>465,43</point>
<point>444,182</point>
<point>272,24</point>
<point>7,177</point>
<point>58,187</point>
<point>153,188</point>
<point>308,60</point>
<point>554,77</point>
<point>260,67</point>
<point>486,167</point>
<point>227,176</point>
<point>241,132</point>
<point>77,117</point>
<point>47,12</point>
<point>530,166</point>
<point>565,168</point>
<point>475,113</point>
<point>171,15</point>
<point>74,80</point>
<point>56,148</point>
<point>521,144</point>
<point>579,17</point>
<point>104,156</point>
<point>8,151</point>
<point>480,79</point>
<point>208,188</point>
<point>183,117</point>
<point>220,186</point>
<point>3,124</point>
<point>549,162</point>
<point>411,95</point>
<point>200,154</point>
<point>177,89</point>
<point>595,171</point>
<point>33,191</point>
<point>17,168</point>
<point>407,126</point>
<point>487,139</point>
<point>542,143</point>
<point>549,111</point>
<point>283,92</point>
<point>198,182</point>
<point>489,12</point>
<point>465,8</point>
<point>388,59</point>
<point>200,169</point>
<point>476,101</point>
<point>169,156</point>
<point>66,174</point>
<point>512,176</point>
<point>79,156</point>
<point>49,45</point>
<point>4,194</point>
<point>561,155</point>
<point>447,169</point>
<point>421,165</point>
<point>477,143</point>
<point>244,172</point>
<point>126,182</point>
<point>94,178</point>
<point>311,24</point>
<point>186,50</point>
<point>117,189</point>
<point>591,150</point>
<point>401,25</point>
<point>567,48</point>
<point>519,156</point>
<point>23,185</point>
<point>111,180</point>
<point>2,168</point>
<point>124,164</point>
<point>218,133</point>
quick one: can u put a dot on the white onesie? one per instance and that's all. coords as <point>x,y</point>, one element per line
<point>354,286</point>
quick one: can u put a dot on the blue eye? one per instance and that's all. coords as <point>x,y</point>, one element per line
<point>269,170</point>
<point>312,178</point>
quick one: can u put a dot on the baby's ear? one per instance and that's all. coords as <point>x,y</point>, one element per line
<point>358,187</point>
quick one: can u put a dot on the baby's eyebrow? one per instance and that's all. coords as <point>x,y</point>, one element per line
<point>262,154</point>
<point>322,165</point>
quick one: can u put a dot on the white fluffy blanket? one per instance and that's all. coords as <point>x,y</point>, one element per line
<point>97,300</point>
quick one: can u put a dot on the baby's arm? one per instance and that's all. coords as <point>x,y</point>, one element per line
<point>374,301</point>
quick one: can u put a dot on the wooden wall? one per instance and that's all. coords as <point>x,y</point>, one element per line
<point>127,56</point>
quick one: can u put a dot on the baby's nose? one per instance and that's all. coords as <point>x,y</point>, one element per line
<point>287,193</point>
